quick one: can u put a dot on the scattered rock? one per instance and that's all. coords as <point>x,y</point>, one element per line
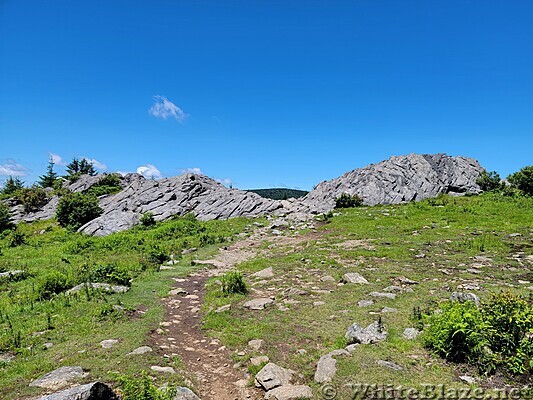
<point>388,310</point>
<point>166,370</point>
<point>271,376</point>
<point>258,304</point>
<point>259,360</point>
<point>318,303</point>
<point>461,297</point>
<point>327,366</point>
<point>373,333</point>
<point>406,281</point>
<point>224,308</point>
<point>354,277</point>
<point>467,379</point>
<point>327,278</point>
<point>102,286</point>
<point>384,295</point>
<point>294,292</point>
<point>140,350</point>
<point>365,303</point>
<point>290,392</point>
<point>59,378</point>
<point>256,344</point>
<point>107,344</point>
<point>184,393</point>
<point>410,333</point>
<point>264,273</point>
<point>90,391</point>
<point>389,365</point>
<point>209,263</point>
<point>178,292</point>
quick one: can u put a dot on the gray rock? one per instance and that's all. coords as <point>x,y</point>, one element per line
<point>467,379</point>
<point>264,273</point>
<point>140,350</point>
<point>400,179</point>
<point>11,274</point>
<point>108,343</point>
<point>384,295</point>
<point>91,391</point>
<point>371,334</point>
<point>184,393</point>
<point>461,297</point>
<point>101,286</point>
<point>327,366</point>
<point>166,370</point>
<point>256,361</point>
<point>59,378</point>
<point>389,365</point>
<point>271,376</point>
<point>365,303</point>
<point>354,277</point>
<point>410,333</point>
<point>224,308</point>
<point>258,304</point>
<point>256,344</point>
<point>290,392</point>
<point>388,310</point>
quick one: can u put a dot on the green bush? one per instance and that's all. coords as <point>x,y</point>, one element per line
<point>109,274</point>
<point>5,217</point>
<point>142,388</point>
<point>233,283</point>
<point>348,201</point>
<point>32,198</point>
<point>489,181</point>
<point>523,180</point>
<point>147,219</point>
<point>16,238</point>
<point>53,283</point>
<point>107,184</point>
<point>495,336</point>
<point>76,209</point>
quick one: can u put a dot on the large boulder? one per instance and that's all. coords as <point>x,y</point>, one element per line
<point>91,391</point>
<point>59,378</point>
<point>373,333</point>
<point>400,179</point>
<point>272,376</point>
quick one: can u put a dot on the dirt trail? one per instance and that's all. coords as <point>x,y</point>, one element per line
<point>207,363</point>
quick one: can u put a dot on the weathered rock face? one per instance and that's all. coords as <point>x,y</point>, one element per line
<point>400,179</point>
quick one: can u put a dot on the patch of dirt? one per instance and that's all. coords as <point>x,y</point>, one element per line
<point>206,361</point>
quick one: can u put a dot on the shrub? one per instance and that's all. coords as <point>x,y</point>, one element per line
<point>107,184</point>
<point>5,217</point>
<point>76,209</point>
<point>109,274</point>
<point>489,181</point>
<point>32,198</point>
<point>233,283</point>
<point>12,185</point>
<point>523,180</point>
<point>16,238</point>
<point>496,335</point>
<point>53,283</point>
<point>142,388</point>
<point>147,219</point>
<point>348,201</point>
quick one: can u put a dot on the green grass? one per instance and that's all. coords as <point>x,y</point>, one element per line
<point>76,324</point>
<point>416,240</point>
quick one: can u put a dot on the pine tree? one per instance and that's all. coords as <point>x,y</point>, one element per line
<point>76,168</point>
<point>48,179</point>
<point>12,185</point>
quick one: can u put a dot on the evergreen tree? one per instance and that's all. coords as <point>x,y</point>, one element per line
<point>12,185</point>
<point>76,168</point>
<point>48,179</point>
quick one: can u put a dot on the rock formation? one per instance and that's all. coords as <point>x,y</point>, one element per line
<point>399,179</point>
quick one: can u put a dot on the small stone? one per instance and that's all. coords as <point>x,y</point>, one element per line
<point>140,350</point>
<point>264,273</point>
<point>411,333</point>
<point>462,297</point>
<point>259,360</point>
<point>255,344</point>
<point>107,344</point>
<point>290,392</point>
<point>354,277</point>
<point>384,295</point>
<point>365,303</point>
<point>389,365</point>
<point>166,370</point>
<point>222,309</point>
<point>467,379</point>
<point>184,393</point>
<point>258,304</point>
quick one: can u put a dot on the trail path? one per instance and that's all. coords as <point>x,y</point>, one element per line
<point>207,362</point>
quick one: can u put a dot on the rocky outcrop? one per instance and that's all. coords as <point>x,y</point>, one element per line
<point>91,391</point>
<point>400,179</point>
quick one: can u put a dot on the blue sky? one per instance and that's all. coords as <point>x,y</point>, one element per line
<point>263,93</point>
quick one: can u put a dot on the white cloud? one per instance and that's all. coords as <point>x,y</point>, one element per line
<point>149,171</point>
<point>164,108</point>
<point>225,181</point>
<point>57,159</point>
<point>194,170</point>
<point>96,164</point>
<point>13,168</point>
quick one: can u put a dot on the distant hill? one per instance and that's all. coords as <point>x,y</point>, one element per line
<point>279,193</point>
